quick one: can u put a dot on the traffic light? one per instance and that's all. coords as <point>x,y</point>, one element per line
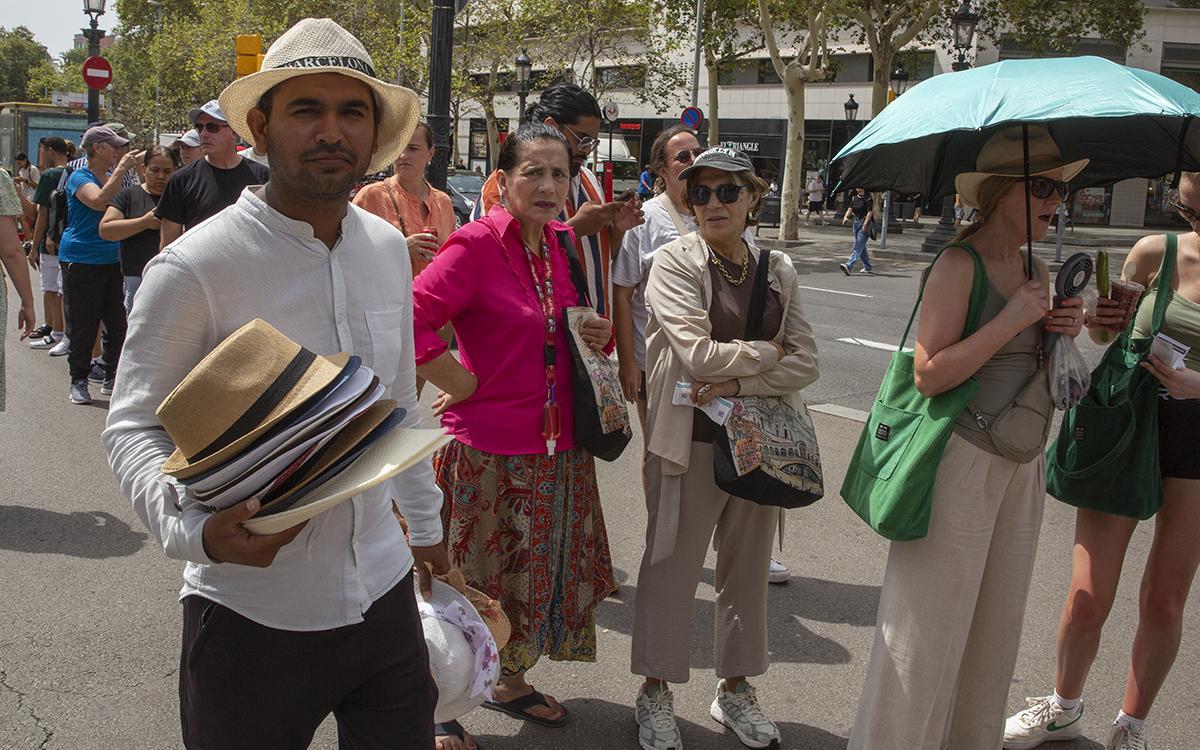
<point>249,54</point>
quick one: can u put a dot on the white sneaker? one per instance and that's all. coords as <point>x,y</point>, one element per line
<point>778,572</point>
<point>47,342</point>
<point>62,348</point>
<point>740,712</point>
<point>1124,737</point>
<point>655,716</point>
<point>1043,721</point>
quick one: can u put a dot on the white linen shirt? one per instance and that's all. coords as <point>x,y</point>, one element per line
<point>250,261</point>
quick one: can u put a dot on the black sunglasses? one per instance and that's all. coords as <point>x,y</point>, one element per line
<point>1044,187</point>
<point>727,193</point>
<point>212,127</point>
<point>688,156</point>
<point>1189,214</point>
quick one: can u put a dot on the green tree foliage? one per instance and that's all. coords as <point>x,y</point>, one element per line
<point>20,56</point>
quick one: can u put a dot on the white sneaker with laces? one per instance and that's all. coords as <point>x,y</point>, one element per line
<point>46,342</point>
<point>778,573</point>
<point>1124,737</point>
<point>740,712</point>
<point>655,716</point>
<point>62,348</point>
<point>1042,721</point>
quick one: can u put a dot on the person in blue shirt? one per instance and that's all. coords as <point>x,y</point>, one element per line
<point>93,287</point>
<point>646,183</point>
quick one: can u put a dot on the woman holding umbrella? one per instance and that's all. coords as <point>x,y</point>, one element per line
<point>952,605</point>
<point>1101,539</point>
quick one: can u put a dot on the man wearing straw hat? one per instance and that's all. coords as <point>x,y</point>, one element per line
<point>281,630</point>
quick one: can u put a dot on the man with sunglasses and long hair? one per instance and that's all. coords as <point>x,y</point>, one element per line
<point>208,185</point>
<point>599,227</point>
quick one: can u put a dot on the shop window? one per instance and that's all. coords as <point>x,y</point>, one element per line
<point>856,68</point>
<point>1158,209</point>
<point>921,64</point>
<point>1091,205</point>
<point>1181,62</point>
<point>1011,50</point>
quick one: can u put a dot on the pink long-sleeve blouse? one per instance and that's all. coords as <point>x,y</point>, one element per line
<point>480,281</point>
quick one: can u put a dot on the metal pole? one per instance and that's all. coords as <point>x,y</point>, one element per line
<point>440,49</point>
<point>883,226</point>
<point>93,37</point>
<point>521,116</point>
<point>696,60</point>
<point>157,78</point>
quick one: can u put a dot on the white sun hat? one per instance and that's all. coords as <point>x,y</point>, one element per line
<point>319,45</point>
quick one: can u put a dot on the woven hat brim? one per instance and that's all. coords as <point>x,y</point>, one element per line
<point>321,373</point>
<point>400,108</point>
<point>967,184</point>
<point>395,452</point>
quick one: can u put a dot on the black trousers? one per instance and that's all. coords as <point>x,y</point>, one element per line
<point>244,685</point>
<point>91,294</point>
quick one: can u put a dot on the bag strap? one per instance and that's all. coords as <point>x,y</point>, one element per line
<point>758,297</point>
<point>578,277</point>
<point>1163,286</point>
<point>978,292</point>
<point>395,207</point>
<point>676,219</point>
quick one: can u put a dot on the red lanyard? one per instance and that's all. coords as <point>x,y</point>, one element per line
<point>551,426</point>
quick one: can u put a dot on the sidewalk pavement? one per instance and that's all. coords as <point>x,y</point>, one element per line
<point>907,244</point>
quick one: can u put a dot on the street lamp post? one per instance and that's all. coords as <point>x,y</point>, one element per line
<point>963,24</point>
<point>157,69</point>
<point>441,43</point>
<point>899,83</point>
<point>524,67</point>
<point>94,9</point>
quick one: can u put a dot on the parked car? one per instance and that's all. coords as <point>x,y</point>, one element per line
<point>464,188</point>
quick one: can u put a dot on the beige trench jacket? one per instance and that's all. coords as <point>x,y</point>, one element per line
<point>679,347</point>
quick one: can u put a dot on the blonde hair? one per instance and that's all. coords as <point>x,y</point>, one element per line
<point>990,192</point>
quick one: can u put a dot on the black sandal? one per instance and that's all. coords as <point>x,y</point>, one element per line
<point>453,729</point>
<point>516,709</point>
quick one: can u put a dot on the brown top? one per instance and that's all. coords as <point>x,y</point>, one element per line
<point>727,314</point>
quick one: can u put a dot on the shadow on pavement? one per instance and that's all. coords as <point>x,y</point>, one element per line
<point>599,724</point>
<point>788,607</point>
<point>89,534</point>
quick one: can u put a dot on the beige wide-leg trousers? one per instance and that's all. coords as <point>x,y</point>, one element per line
<point>951,610</point>
<point>666,593</point>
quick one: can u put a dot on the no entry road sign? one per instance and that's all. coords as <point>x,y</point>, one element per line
<point>691,118</point>
<point>97,73</point>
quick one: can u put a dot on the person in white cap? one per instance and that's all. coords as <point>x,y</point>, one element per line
<point>281,630</point>
<point>209,185</point>
<point>188,147</point>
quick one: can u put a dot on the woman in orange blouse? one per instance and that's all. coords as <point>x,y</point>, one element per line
<point>423,213</point>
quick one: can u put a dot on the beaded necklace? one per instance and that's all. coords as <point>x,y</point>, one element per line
<point>544,287</point>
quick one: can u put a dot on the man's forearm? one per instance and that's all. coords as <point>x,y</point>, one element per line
<point>39,229</point>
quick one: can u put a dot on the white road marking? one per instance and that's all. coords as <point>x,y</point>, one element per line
<point>845,412</point>
<point>873,344</point>
<point>837,291</point>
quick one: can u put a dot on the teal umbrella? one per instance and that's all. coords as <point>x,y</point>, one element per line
<point>1129,122</point>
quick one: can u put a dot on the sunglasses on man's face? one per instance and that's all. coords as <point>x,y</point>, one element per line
<point>727,193</point>
<point>211,126</point>
<point>583,143</point>
<point>688,156</point>
<point>1044,187</point>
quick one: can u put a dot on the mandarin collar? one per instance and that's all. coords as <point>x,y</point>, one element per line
<point>252,202</point>
<point>504,220</point>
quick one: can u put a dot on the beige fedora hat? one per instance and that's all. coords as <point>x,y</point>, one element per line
<point>252,381</point>
<point>319,45</point>
<point>1003,155</point>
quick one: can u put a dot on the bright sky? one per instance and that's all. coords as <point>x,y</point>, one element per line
<point>54,22</point>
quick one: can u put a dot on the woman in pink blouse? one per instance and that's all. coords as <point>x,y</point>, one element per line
<point>522,510</point>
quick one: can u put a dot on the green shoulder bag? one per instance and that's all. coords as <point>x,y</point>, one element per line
<point>890,480</point>
<point>1106,454</point>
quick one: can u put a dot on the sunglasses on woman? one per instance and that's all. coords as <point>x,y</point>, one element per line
<point>688,156</point>
<point>212,127</point>
<point>1044,187</point>
<point>727,193</point>
<point>1189,214</point>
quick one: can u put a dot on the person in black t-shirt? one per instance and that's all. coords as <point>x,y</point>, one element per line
<point>130,218</point>
<point>206,186</point>
<point>860,209</point>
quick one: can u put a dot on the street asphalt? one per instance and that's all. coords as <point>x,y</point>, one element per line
<point>90,625</point>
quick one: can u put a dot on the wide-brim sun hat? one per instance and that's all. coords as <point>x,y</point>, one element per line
<point>320,45</point>
<point>1003,155</point>
<point>464,632</point>
<point>248,384</point>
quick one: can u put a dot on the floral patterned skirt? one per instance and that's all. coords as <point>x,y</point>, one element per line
<point>528,531</point>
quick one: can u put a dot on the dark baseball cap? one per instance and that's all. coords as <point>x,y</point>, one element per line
<point>722,158</point>
<point>102,134</point>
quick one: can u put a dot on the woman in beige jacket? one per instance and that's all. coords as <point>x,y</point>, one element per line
<point>698,293</point>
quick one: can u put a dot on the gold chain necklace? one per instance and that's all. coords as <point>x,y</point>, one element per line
<point>712,257</point>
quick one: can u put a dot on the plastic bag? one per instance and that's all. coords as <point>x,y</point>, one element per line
<point>1070,377</point>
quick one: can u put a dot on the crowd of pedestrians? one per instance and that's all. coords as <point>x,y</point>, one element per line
<point>148,259</point>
